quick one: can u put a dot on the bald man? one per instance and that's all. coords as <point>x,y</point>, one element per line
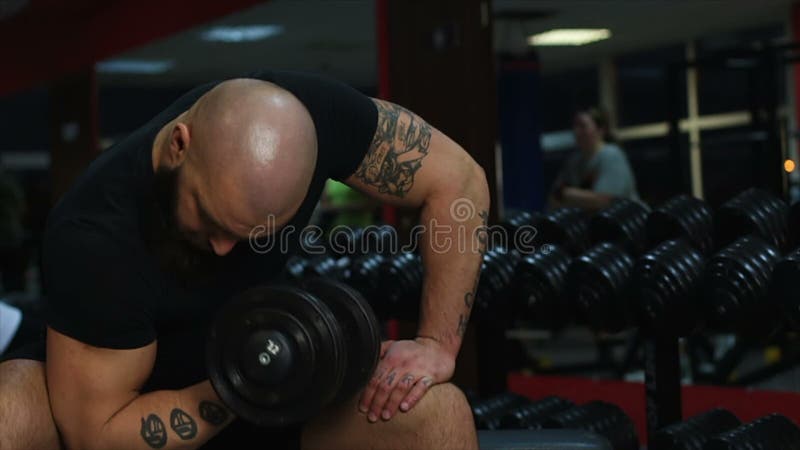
<point>154,237</point>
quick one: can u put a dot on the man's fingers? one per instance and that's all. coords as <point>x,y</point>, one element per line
<point>370,390</point>
<point>413,397</point>
<point>400,391</point>
<point>385,388</point>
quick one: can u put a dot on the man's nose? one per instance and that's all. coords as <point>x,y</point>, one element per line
<point>222,246</point>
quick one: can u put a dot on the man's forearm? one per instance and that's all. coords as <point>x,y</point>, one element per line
<point>453,244</point>
<point>167,420</point>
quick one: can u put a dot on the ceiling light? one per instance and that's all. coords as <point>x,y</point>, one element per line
<point>135,66</point>
<point>242,33</point>
<point>569,36</point>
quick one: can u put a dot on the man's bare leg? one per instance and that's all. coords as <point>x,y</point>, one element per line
<point>442,420</point>
<point>26,422</point>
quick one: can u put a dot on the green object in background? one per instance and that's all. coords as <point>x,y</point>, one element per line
<point>342,196</point>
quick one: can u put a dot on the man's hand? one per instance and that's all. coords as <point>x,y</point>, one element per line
<point>405,372</point>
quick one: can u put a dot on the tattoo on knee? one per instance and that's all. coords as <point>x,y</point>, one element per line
<point>182,424</point>
<point>153,431</point>
<point>213,413</point>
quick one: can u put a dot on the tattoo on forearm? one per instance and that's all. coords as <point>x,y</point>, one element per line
<point>462,324</point>
<point>182,424</point>
<point>153,431</point>
<point>400,143</point>
<point>390,378</point>
<point>469,297</point>
<point>213,413</point>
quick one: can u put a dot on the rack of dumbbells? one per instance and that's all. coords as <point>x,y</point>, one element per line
<point>670,274</point>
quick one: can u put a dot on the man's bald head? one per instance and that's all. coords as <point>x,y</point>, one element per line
<point>244,152</point>
<point>257,138</point>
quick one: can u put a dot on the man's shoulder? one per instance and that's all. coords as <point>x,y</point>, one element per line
<point>83,235</point>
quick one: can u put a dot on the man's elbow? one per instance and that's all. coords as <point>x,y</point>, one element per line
<point>478,185</point>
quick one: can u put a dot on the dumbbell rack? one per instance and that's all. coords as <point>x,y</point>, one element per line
<point>663,403</point>
<point>754,212</point>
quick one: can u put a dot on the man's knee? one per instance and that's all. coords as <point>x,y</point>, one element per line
<point>442,419</point>
<point>444,403</point>
<point>23,393</point>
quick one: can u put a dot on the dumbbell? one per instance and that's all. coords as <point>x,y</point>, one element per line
<point>489,412</point>
<point>735,287</point>
<point>363,274</point>
<point>400,280</point>
<point>682,217</point>
<point>537,289</point>
<point>603,418</point>
<point>532,416</point>
<point>392,284</point>
<point>783,288</point>
<point>598,288</point>
<point>326,266</point>
<point>516,223</point>
<point>567,228</point>
<point>772,432</point>
<point>753,211</point>
<point>693,433</point>
<point>623,223</point>
<point>497,271</point>
<point>277,355</point>
<point>666,284</point>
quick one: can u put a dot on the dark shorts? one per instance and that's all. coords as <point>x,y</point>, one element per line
<point>239,435</point>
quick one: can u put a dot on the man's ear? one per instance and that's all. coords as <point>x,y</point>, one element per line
<point>179,140</point>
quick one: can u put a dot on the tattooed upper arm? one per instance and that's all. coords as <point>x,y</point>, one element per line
<point>401,143</point>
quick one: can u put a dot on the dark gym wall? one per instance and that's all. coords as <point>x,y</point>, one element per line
<point>63,37</point>
<point>441,66</point>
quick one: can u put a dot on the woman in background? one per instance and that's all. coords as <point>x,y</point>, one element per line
<point>597,172</point>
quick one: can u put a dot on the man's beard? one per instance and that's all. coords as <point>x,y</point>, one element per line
<point>175,253</point>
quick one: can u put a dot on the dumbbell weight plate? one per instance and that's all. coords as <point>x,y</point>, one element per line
<point>273,355</point>
<point>360,328</point>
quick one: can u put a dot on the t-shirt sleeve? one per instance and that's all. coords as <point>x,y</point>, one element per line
<point>345,120</point>
<point>93,294</point>
<point>613,175</point>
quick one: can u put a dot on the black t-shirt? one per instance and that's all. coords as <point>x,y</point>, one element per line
<point>106,289</point>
